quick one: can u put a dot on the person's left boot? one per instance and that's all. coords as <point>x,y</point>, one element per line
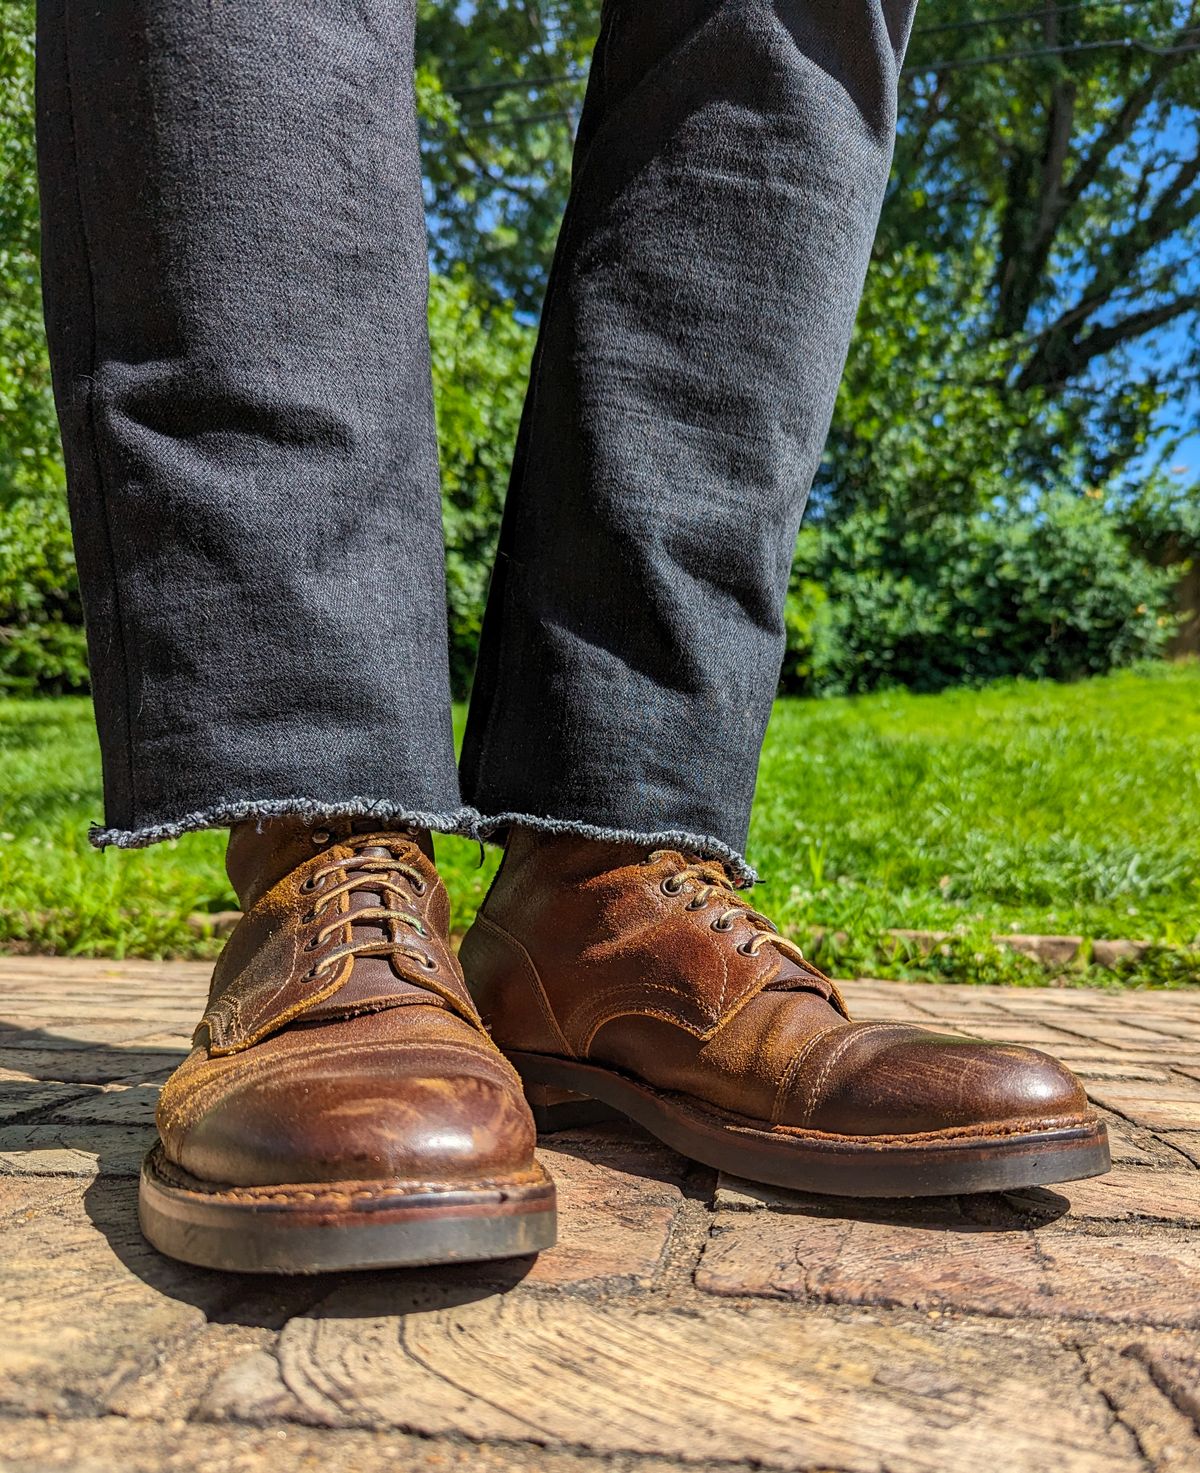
<point>343,1106</point>
<point>645,984</point>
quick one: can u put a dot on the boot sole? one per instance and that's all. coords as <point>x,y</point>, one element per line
<point>342,1225</point>
<point>564,1093</point>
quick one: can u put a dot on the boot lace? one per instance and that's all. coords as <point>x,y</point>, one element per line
<point>361,872</point>
<point>711,880</point>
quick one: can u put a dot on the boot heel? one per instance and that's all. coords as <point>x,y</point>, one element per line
<point>559,1109</point>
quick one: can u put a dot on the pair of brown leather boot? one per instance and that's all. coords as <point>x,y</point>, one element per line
<point>352,1102</point>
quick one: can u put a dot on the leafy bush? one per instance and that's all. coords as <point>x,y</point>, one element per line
<point>1052,592</point>
<point>480,364</point>
<point>41,642</point>
<point>41,639</point>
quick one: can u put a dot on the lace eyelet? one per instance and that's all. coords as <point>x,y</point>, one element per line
<point>321,837</point>
<point>311,944</point>
<point>419,887</point>
<point>747,949</point>
<point>308,917</point>
<point>672,885</point>
<point>717,925</point>
<point>311,883</point>
<point>429,964</point>
<point>696,905</point>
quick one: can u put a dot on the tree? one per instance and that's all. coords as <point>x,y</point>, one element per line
<point>500,84</point>
<point>41,643</point>
<point>1056,147</point>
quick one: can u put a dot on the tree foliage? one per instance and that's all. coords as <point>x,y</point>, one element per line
<point>1078,156</point>
<point>29,460</point>
<point>41,643</point>
<point>1025,363</point>
<point>480,363</point>
<point>1050,160</point>
<point>500,86</point>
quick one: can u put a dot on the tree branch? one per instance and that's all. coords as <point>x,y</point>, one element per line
<point>1123,124</point>
<point>1113,273</point>
<point>1025,247</point>
<point>1030,240</point>
<point>1056,362</point>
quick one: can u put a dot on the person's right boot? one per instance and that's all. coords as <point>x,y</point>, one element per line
<point>645,983</point>
<point>343,1106</point>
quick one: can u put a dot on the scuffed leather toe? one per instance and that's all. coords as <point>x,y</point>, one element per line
<point>340,1043</point>
<point>893,1079</point>
<point>359,1117</point>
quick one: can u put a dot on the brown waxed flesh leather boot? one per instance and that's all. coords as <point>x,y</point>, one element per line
<point>343,1106</point>
<point>648,986</point>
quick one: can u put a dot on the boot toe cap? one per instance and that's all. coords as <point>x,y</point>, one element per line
<point>909,1081</point>
<point>356,1123</point>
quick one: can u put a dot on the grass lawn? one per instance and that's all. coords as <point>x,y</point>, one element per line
<point>1024,807</point>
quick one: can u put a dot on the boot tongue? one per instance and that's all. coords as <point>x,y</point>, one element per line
<point>715,872</point>
<point>371,973</point>
<point>371,979</point>
<point>367,899</point>
<point>376,977</point>
<point>792,977</point>
<point>260,854</point>
<point>421,838</point>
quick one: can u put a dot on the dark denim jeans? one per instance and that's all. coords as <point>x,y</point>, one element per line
<point>235,278</point>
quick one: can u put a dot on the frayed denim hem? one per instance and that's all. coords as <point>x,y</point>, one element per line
<point>702,844</point>
<point>463,821</point>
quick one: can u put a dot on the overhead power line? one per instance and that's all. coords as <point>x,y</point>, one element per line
<point>1014,17</point>
<point>517,84</point>
<point>1115,43</point>
<point>521,120</point>
<point>545,83</point>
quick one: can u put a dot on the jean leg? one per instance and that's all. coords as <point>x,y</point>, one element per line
<point>728,175</point>
<point>235,282</point>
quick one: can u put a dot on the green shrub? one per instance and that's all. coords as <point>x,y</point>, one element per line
<point>1054,592</point>
<point>41,643</point>
<point>480,365</point>
<point>41,639</point>
<point>808,622</point>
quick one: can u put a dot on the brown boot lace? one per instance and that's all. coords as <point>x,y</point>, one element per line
<point>378,874</point>
<point>711,879</point>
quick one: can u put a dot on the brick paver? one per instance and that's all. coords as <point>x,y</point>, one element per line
<point>683,1321</point>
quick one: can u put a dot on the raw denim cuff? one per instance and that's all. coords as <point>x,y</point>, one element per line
<point>703,845</point>
<point>463,821</point>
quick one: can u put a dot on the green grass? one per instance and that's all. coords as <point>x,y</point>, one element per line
<point>1023,807</point>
